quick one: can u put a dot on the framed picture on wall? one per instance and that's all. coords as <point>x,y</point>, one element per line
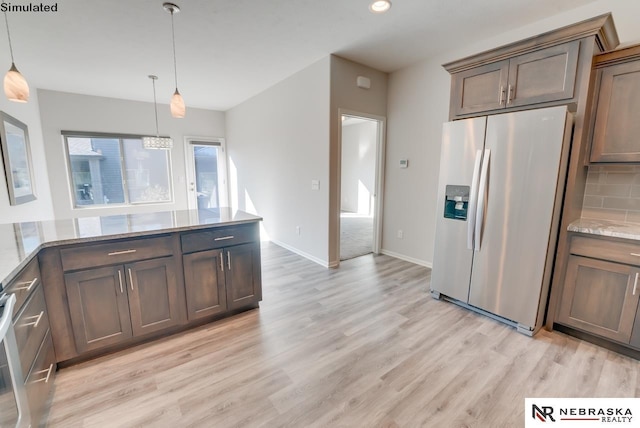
<point>16,158</point>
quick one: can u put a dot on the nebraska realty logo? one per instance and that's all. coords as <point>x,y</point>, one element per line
<point>582,412</point>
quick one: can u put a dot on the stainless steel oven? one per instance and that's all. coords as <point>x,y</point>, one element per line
<point>13,399</point>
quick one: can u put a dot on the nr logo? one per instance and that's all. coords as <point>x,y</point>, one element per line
<point>543,413</point>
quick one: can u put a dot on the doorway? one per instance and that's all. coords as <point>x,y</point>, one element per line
<point>206,161</point>
<point>360,163</point>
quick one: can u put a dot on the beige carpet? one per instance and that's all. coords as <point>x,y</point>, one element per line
<point>356,236</point>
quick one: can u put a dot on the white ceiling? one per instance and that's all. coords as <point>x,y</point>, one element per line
<point>230,50</point>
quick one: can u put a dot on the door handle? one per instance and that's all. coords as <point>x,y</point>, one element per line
<point>117,253</point>
<point>130,278</point>
<point>482,195</point>
<point>635,283</point>
<point>221,262</point>
<point>510,94</point>
<point>27,287</point>
<point>229,260</point>
<point>36,322</point>
<point>44,379</point>
<point>120,281</point>
<point>501,97</point>
<point>473,200</point>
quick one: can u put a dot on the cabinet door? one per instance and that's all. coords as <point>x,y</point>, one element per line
<point>204,283</point>
<point>153,295</point>
<point>98,307</point>
<point>480,89</point>
<point>243,276</point>
<point>39,383</point>
<point>543,76</point>
<point>600,297</point>
<point>616,129</point>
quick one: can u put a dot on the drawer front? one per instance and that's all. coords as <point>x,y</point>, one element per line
<point>220,237</point>
<point>24,284</point>
<point>40,382</point>
<point>620,252</point>
<point>30,327</point>
<point>90,256</point>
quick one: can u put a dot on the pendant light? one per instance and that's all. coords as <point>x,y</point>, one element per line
<point>156,142</point>
<point>177,103</point>
<point>16,87</point>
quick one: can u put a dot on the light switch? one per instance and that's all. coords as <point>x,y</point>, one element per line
<point>315,184</point>
<point>404,163</point>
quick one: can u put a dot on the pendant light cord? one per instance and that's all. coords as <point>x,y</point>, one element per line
<point>173,38</point>
<point>155,104</point>
<point>6,21</point>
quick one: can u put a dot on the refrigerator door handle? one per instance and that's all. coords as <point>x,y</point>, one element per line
<point>473,200</point>
<point>482,194</point>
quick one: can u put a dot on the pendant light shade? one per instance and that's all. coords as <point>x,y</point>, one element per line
<point>178,109</point>
<point>157,142</point>
<point>16,87</point>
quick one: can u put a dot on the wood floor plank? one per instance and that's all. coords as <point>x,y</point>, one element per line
<point>363,345</point>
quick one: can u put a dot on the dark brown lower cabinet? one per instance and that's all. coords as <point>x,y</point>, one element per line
<point>39,383</point>
<point>112,304</point>
<point>600,297</point>
<point>222,279</point>
<point>204,283</point>
<point>243,275</point>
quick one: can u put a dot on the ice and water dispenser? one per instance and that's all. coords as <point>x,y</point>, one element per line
<point>456,202</point>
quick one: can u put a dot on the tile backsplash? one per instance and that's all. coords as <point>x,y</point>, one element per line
<point>612,193</point>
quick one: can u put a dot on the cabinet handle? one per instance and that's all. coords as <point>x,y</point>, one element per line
<point>635,283</point>
<point>27,287</point>
<point>130,278</point>
<point>509,94</point>
<point>634,254</point>
<point>224,238</point>
<point>229,260</point>
<point>120,280</point>
<point>221,262</point>
<point>501,100</point>
<point>36,322</point>
<point>45,379</point>
<point>117,253</point>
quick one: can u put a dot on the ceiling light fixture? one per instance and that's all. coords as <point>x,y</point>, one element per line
<point>177,103</point>
<point>16,87</point>
<point>156,142</point>
<point>380,6</point>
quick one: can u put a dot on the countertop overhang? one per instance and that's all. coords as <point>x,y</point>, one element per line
<point>21,242</point>
<point>614,229</point>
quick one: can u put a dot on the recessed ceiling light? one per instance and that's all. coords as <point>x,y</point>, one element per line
<point>380,6</point>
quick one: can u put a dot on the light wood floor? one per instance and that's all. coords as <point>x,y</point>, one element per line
<point>360,346</point>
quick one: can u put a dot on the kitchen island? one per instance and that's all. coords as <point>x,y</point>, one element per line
<point>114,281</point>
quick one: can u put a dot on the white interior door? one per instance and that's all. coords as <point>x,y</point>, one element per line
<point>207,186</point>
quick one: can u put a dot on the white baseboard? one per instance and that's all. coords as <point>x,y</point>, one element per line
<point>407,258</point>
<point>301,253</point>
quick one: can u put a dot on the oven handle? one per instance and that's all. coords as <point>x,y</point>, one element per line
<point>5,321</point>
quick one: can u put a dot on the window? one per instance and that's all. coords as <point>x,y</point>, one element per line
<point>116,170</point>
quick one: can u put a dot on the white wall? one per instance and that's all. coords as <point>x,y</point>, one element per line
<point>278,142</point>
<point>358,167</point>
<point>61,111</point>
<point>41,208</point>
<point>418,105</point>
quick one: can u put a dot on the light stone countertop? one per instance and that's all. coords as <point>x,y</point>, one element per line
<point>20,242</point>
<point>610,228</point>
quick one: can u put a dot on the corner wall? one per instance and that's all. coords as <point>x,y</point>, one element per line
<point>277,143</point>
<point>41,208</point>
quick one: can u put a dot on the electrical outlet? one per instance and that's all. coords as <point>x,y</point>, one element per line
<point>297,230</point>
<point>400,234</point>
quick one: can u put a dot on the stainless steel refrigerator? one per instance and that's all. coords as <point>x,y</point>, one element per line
<point>500,193</point>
